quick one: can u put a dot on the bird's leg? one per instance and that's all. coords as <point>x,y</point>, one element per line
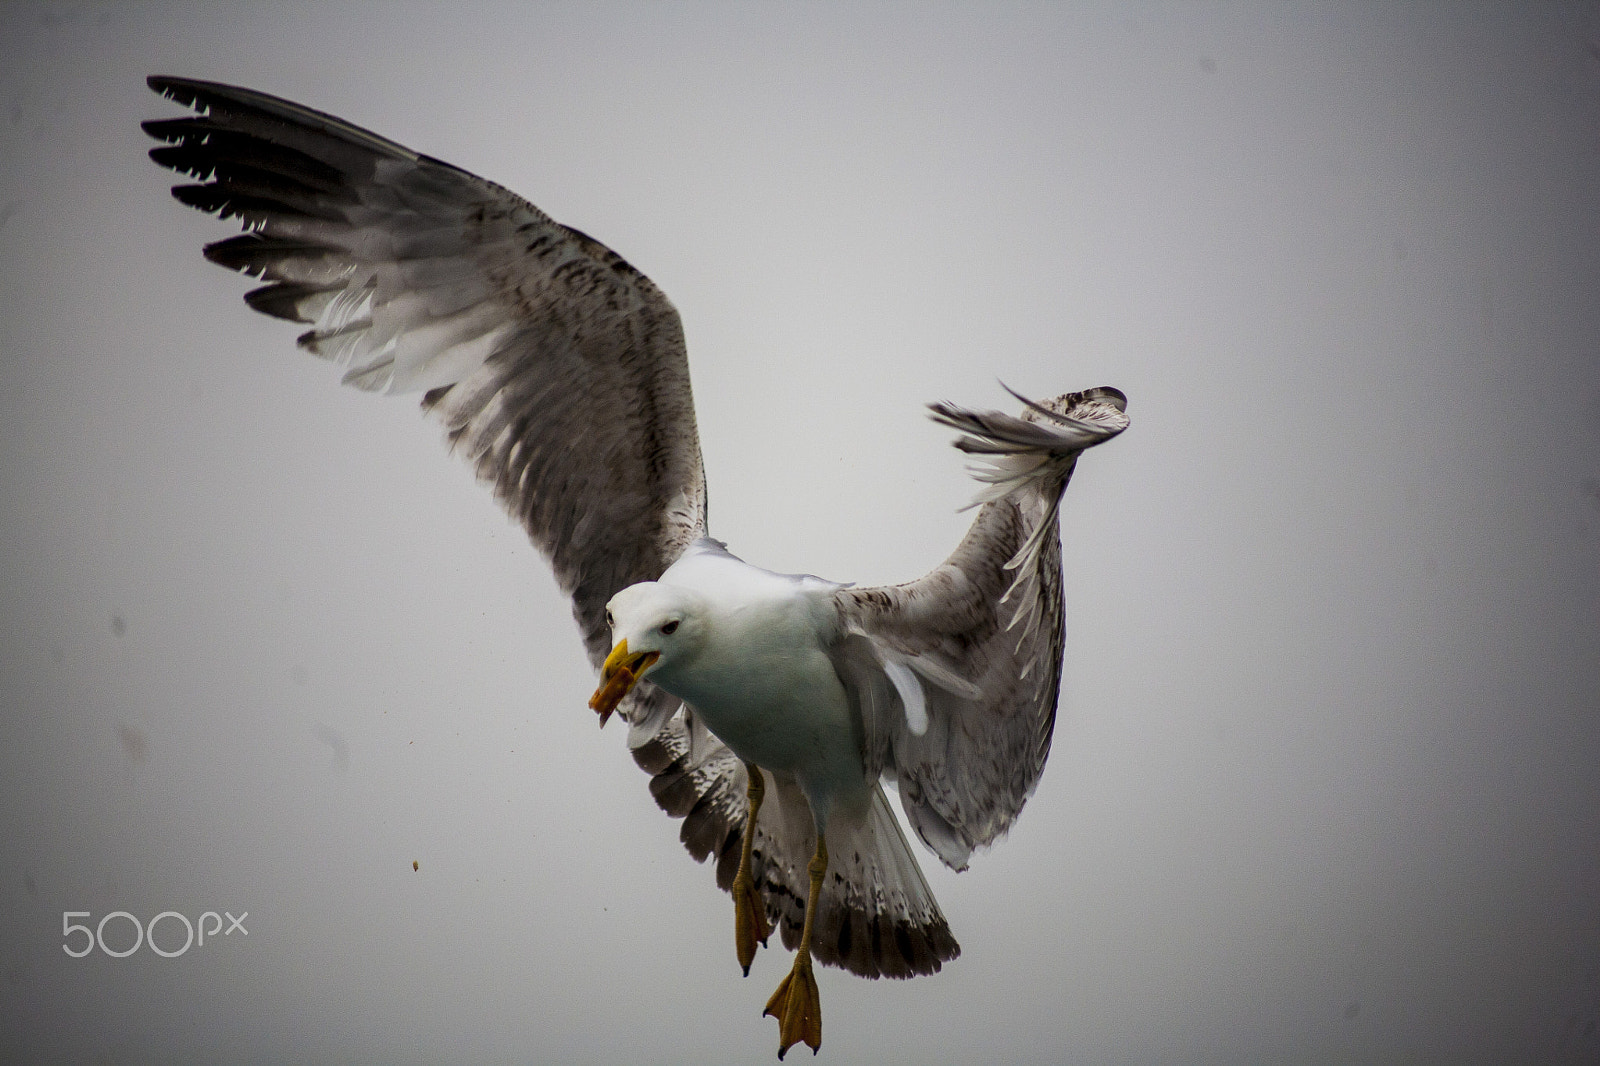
<point>796,1004</point>
<point>749,912</point>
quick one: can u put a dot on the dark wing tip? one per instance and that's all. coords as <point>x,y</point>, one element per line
<point>185,91</point>
<point>238,102</point>
<point>164,84</point>
<point>171,130</point>
<point>197,93</point>
<point>1110,394</point>
<point>1099,394</point>
<point>282,300</point>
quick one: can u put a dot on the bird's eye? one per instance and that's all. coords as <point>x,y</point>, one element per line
<point>670,628</point>
<point>609,622</point>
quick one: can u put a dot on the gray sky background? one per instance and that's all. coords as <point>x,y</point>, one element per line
<point>1326,779</point>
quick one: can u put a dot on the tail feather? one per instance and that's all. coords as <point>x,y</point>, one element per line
<point>876,915</point>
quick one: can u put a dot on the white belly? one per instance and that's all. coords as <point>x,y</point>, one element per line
<point>784,713</point>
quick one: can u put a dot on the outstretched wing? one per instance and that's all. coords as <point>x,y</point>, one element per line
<point>557,369</point>
<point>957,673</point>
<point>956,677</point>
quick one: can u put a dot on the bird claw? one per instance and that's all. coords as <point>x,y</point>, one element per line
<point>749,920</point>
<point>798,1007</point>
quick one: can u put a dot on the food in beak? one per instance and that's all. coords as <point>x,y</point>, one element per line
<point>617,678</point>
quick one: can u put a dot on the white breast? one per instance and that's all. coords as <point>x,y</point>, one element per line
<point>763,682</point>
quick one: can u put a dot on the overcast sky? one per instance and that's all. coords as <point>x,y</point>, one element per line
<point>1326,777</point>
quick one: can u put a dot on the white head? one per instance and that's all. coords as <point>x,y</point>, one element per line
<point>656,629</point>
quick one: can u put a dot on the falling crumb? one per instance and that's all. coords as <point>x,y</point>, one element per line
<point>415,865</point>
<point>134,743</point>
<point>336,743</point>
<point>1591,489</point>
<point>118,626</point>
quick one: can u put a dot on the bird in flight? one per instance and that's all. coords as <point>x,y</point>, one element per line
<point>768,709</point>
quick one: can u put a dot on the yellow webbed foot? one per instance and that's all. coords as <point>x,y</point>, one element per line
<point>749,920</point>
<point>798,1007</point>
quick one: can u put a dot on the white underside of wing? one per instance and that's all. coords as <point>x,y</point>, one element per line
<point>910,689</point>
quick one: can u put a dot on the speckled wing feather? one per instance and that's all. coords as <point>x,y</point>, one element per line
<point>957,673</point>
<point>557,369</point>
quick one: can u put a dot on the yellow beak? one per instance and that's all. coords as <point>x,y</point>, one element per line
<point>617,677</point>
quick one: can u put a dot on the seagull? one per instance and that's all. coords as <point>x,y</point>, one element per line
<point>769,709</point>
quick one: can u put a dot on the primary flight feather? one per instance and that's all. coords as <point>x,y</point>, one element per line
<point>768,709</point>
